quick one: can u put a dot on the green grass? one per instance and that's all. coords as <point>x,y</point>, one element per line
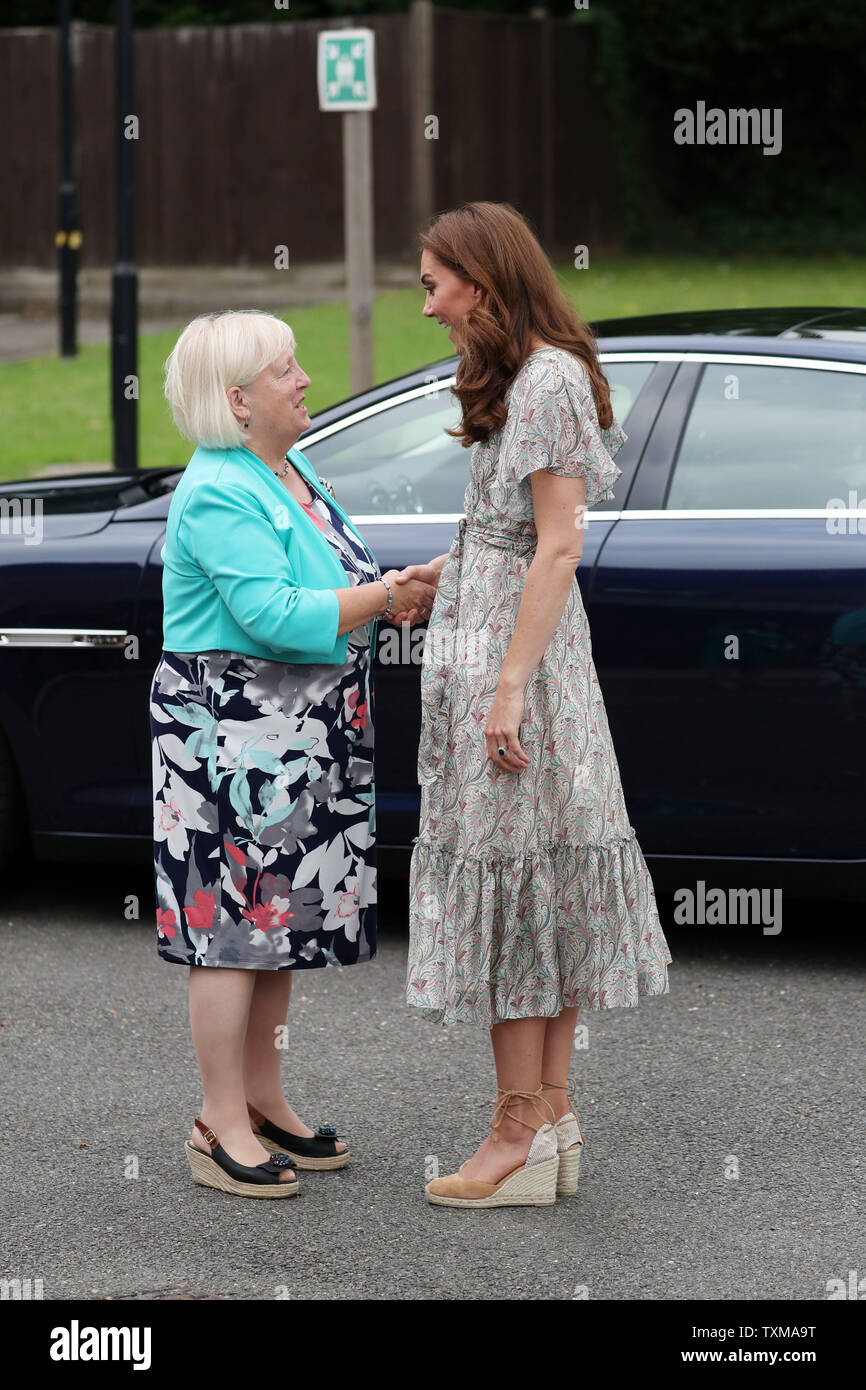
<point>58,410</point>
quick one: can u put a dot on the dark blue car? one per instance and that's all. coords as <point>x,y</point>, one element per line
<point>725,588</point>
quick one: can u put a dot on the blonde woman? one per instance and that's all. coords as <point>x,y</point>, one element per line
<point>529,895</point>
<point>261,718</point>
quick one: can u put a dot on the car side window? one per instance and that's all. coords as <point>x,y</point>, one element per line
<point>400,461</point>
<point>626,381</point>
<point>771,436</point>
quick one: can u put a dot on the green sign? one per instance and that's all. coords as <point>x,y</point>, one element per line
<point>346,70</point>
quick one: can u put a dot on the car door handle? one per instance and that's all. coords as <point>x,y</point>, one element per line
<point>62,637</point>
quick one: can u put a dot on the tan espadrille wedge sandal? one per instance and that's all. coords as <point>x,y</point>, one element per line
<point>531,1185</point>
<point>569,1141</point>
<point>217,1168</point>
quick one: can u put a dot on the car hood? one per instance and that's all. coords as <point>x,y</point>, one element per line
<point>71,506</point>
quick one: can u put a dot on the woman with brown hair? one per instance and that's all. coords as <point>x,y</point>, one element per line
<point>529,894</point>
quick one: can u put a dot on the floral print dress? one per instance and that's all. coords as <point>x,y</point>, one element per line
<point>528,891</point>
<point>264,800</point>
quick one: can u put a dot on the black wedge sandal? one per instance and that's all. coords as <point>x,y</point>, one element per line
<point>317,1151</point>
<point>219,1169</point>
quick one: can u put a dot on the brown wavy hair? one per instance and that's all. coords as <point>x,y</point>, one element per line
<point>494,246</point>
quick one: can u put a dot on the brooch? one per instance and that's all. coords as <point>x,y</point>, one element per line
<point>326,484</point>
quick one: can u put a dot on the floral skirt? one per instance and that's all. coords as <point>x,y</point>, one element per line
<point>264,811</point>
<point>528,892</point>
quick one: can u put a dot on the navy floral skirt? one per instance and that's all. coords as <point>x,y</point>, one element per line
<point>264,811</point>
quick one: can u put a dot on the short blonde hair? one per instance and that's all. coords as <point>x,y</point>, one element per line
<point>214,352</point>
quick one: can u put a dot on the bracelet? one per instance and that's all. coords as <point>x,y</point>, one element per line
<point>387,612</point>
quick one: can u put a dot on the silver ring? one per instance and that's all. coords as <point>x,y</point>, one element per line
<point>502,751</point>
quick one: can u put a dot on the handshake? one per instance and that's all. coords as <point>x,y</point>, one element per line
<point>414,589</point>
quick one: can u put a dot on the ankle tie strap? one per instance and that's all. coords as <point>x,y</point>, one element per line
<point>571,1088</point>
<point>500,1110</point>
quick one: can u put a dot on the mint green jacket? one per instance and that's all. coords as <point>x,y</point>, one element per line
<point>245,569</point>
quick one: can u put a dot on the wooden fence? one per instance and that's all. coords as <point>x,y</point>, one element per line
<point>234,156</point>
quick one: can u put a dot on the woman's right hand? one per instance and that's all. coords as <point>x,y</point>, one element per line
<point>412,595</point>
<point>430,573</point>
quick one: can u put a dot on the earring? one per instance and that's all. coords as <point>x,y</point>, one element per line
<point>246,424</point>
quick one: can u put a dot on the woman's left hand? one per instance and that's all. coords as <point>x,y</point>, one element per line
<point>501,730</point>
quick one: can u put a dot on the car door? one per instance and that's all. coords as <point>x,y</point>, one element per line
<point>730,614</point>
<point>402,479</point>
<point>68,669</point>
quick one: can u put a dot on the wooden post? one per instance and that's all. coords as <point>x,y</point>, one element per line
<point>346,70</point>
<point>422,150</point>
<point>358,235</point>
